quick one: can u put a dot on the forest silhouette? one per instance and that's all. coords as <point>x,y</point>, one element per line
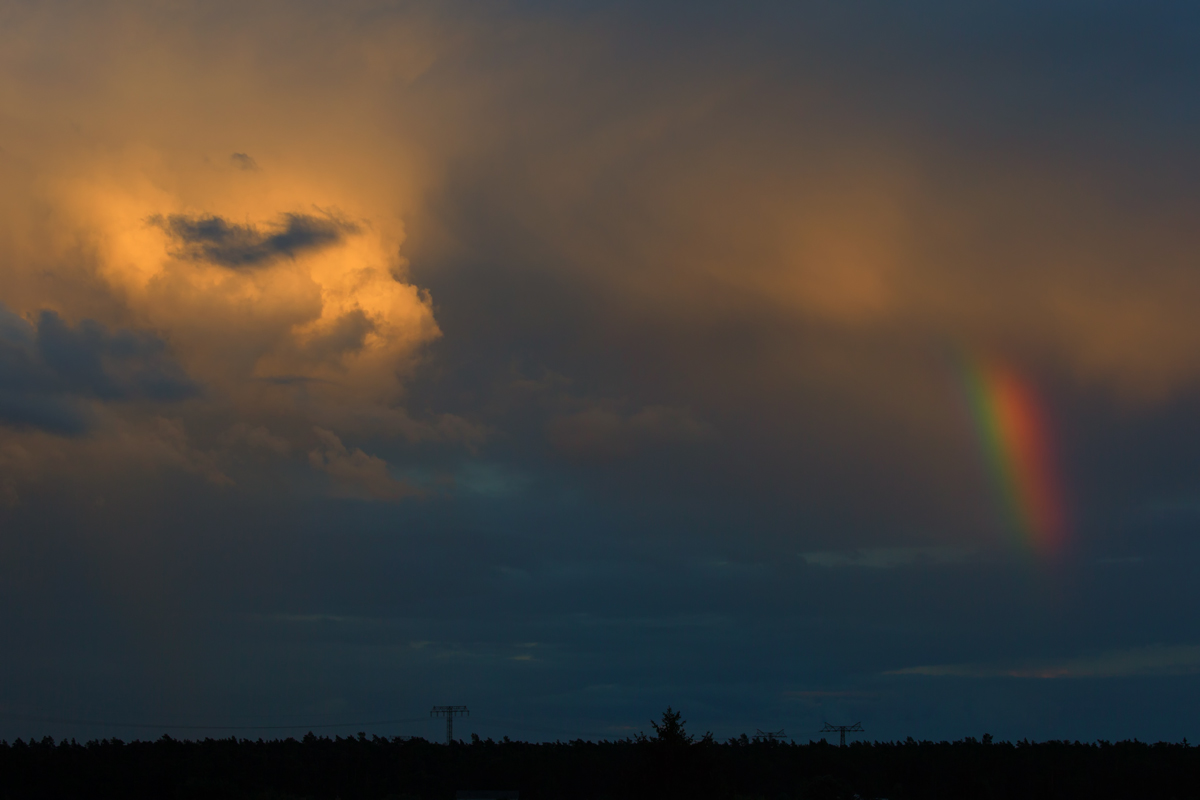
<point>672,763</point>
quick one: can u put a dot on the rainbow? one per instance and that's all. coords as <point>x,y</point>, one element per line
<point>1014,438</point>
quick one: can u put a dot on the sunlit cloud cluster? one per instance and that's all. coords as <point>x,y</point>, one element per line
<point>167,187</point>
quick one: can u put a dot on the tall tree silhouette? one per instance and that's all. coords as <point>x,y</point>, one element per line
<point>671,731</point>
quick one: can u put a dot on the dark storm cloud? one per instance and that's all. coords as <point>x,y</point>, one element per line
<point>49,369</point>
<point>890,155</point>
<point>229,244</point>
<point>603,433</point>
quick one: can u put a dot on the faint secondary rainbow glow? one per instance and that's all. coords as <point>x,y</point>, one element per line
<point>1012,430</point>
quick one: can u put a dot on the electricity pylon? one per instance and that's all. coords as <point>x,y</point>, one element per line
<point>842,730</point>
<point>449,712</point>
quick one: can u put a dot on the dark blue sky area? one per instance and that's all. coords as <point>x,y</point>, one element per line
<point>615,359</point>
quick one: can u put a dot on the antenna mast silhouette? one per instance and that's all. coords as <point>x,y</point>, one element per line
<point>842,730</point>
<point>448,712</point>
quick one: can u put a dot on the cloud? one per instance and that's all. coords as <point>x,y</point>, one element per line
<point>887,557</point>
<point>345,334</point>
<point>116,365</point>
<point>256,438</point>
<point>604,433</point>
<point>50,371</point>
<point>1142,661</point>
<point>216,240</point>
<point>244,162</point>
<point>490,480</point>
<point>356,473</point>
<point>125,453</point>
<point>725,240</point>
<point>755,242</point>
<point>166,441</point>
<point>283,291</point>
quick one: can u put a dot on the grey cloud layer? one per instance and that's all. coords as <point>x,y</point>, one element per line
<point>49,369</point>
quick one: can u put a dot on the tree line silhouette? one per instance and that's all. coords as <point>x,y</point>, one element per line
<point>669,764</point>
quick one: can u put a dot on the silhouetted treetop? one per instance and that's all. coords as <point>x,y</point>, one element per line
<point>671,731</point>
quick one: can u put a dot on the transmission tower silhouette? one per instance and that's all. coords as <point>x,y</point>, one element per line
<point>842,730</point>
<point>770,736</point>
<point>448,712</point>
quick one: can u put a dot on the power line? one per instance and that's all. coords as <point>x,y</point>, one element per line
<point>100,723</point>
<point>515,723</point>
<point>770,736</point>
<point>522,725</point>
<point>167,726</point>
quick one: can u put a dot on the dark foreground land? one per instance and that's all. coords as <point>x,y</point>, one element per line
<point>668,765</point>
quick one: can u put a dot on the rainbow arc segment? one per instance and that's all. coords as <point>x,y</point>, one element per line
<point>1012,428</point>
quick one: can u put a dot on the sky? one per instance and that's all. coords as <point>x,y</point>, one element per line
<point>781,363</point>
